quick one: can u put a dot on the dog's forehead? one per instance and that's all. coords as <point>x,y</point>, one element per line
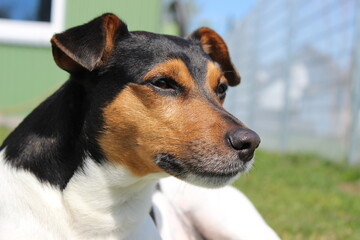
<point>142,51</point>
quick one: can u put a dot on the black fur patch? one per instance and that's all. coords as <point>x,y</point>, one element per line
<point>49,141</point>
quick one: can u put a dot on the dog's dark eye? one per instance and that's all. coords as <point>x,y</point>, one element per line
<point>221,90</point>
<point>165,86</point>
<point>164,83</point>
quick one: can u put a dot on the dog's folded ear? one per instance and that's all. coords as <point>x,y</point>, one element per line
<point>216,48</point>
<point>87,46</point>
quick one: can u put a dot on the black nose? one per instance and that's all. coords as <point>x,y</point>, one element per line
<point>245,141</point>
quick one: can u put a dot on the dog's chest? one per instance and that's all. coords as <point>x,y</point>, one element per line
<point>110,203</point>
<point>90,207</point>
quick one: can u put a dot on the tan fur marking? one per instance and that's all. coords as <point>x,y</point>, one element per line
<point>111,24</point>
<point>122,141</point>
<point>213,44</point>
<point>216,48</point>
<point>174,68</point>
<point>213,75</point>
<point>214,79</point>
<point>61,59</point>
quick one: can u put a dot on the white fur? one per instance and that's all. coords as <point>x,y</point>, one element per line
<point>28,208</point>
<point>223,213</point>
<point>106,202</point>
<point>171,221</point>
<point>102,202</point>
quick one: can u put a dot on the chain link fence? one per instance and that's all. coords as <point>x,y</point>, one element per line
<point>300,65</point>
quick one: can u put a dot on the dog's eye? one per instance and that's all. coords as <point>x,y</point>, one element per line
<point>164,83</point>
<point>221,90</point>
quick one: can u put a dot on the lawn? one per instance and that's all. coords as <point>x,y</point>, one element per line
<point>3,133</point>
<point>303,197</point>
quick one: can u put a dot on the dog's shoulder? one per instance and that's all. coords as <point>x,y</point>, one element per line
<point>28,208</point>
<point>46,141</point>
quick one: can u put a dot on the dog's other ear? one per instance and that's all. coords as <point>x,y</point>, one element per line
<point>87,46</point>
<point>216,48</point>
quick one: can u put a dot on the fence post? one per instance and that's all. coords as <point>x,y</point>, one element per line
<point>287,78</point>
<point>254,67</point>
<point>353,157</point>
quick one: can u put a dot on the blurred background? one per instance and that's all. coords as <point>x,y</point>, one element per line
<point>300,67</point>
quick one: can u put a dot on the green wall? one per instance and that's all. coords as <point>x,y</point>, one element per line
<point>28,74</point>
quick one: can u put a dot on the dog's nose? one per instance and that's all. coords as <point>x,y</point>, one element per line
<point>245,141</point>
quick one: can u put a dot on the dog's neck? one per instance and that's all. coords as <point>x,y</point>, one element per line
<point>51,141</point>
<point>105,200</point>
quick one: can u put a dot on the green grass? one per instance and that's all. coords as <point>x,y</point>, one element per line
<point>304,196</point>
<point>3,133</point>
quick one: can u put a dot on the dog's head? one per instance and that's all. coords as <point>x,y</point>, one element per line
<point>156,100</point>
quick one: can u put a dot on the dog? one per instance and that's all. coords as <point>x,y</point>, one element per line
<point>137,107</point>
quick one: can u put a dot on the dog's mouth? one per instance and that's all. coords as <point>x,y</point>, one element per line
<point>210,173</point>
